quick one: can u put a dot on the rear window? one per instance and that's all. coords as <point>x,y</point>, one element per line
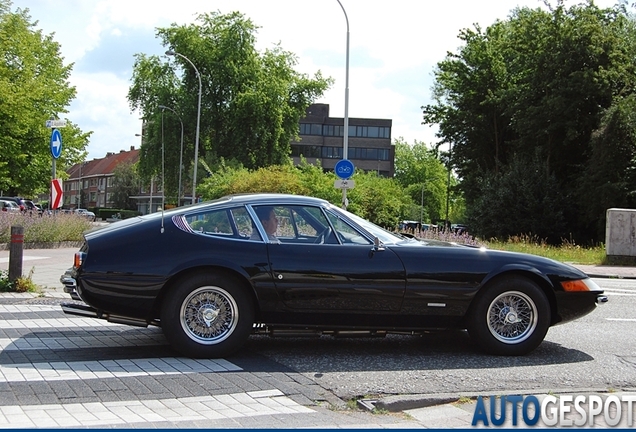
<point>230,223</point>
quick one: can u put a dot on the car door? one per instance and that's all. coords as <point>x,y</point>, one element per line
<point>318,266</point>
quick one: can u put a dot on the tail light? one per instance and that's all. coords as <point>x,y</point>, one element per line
<point>78,259</point>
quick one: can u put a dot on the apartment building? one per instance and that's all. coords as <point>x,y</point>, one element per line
<point>321,138</point>
<point>90,183</point>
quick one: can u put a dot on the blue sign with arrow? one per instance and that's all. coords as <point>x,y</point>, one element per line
<point>344,168</point>
<point>56,143</point>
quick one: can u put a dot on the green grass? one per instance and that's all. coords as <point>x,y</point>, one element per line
<point>566,252</point>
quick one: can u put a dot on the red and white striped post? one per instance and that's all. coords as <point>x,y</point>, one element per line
<point>15,253</point>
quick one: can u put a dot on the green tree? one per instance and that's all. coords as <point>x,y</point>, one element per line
<point>534,86</point>
<point>33,88</point>
<point>419,170</point>
<point>251,101</point>
<point>379,199</point>
<point>610,176</point>
<point>126,183</point>
<point>530,204</point>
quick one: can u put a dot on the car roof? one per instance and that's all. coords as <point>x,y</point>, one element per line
<point>256,198</point>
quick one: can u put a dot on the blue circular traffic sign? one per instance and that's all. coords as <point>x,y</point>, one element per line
<point>56,143</point>
<point>344,168</point>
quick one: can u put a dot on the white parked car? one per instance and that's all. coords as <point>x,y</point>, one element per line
<point>83,212</point>
<point>9,206</point>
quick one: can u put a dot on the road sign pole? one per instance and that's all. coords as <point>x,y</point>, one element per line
<point>55,144</point>
<point>53,177</point>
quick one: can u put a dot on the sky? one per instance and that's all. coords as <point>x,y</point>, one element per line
<point>393,49</point>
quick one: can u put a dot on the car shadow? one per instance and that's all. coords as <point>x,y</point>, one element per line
<point>443,350</point>
<point>432,351</point>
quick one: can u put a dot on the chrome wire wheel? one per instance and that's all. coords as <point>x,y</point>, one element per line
<point>512,317</point>
<point>209,315</point>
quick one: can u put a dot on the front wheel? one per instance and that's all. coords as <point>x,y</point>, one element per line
<point>510,316</point>
<point>207,315</point>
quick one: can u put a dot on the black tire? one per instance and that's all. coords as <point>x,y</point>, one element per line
<point>207,315</point>
<point>510,316</point>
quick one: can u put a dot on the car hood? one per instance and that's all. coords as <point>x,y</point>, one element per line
<point>480,258</point>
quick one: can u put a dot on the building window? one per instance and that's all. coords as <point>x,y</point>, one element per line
<point>354,131</point>
<point>328,152</point>
<point>332,152</point>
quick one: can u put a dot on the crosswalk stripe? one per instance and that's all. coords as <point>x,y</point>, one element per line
<point>55,323</point>
<point>81,370</point>
<point>236,405</point>
<point>29,308</point>
<point>87,341</point>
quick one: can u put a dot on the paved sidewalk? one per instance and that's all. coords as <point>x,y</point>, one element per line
<point>46,265</point>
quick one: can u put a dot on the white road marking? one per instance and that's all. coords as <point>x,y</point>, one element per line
<point>220,407</point>
<point>42,323</point>
<point>93,369</point>
<point>24,258</point>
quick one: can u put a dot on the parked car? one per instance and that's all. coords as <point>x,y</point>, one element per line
<point>211,274</point>
<point>19,201</point>
<point>8,206</point>
<point>87,214</point>
<point>30,206</point>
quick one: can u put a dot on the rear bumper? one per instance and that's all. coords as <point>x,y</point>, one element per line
<point>70,284</point>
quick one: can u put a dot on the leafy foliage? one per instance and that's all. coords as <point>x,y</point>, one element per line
<point>251,101</point>
<point>609,181</point>
<point>537,85</point>
<point>519,199</point>
<point>419,170</point>
<point>381,200</point>
<point>125,185</point>
<point>33,87</point>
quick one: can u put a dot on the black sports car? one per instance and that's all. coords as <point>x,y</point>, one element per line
<point>213,273</point>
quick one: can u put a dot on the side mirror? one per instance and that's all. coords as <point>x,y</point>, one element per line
<point>377,245</point>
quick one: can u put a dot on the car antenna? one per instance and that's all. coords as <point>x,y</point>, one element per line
<point>163,174</point>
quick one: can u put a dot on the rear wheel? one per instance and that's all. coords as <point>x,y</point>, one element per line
<point>510,316</point>
<point>207,315</point>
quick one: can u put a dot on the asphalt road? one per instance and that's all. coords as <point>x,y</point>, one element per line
<point>595,352</point>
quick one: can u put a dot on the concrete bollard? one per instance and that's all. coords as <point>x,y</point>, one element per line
<point>15,253</point>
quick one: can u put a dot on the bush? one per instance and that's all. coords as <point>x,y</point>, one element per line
<point>59,227</point>
<point>21,284</point>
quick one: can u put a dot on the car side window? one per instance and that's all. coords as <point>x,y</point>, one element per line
<point>345,232</point>
<point>299,225</point>
<point>229,223</point>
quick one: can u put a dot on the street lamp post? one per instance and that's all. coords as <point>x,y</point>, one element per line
<point>345,141</point>
<point>181,155</point>
<point>422,208</point>
<point>196,144</point>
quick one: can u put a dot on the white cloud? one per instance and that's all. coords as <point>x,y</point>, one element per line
<point>393,48</point>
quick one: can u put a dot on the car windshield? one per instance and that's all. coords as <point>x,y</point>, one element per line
<point>385,236</point>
